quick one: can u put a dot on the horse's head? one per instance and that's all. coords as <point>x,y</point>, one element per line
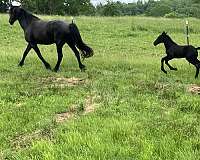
<point>161,38</point>
<point>15,13</point>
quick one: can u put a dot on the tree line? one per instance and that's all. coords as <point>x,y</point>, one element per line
<point>162,8</point>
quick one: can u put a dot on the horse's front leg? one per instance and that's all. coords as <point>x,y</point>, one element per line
<point>162,65</point>
<point>28,48</point>
<point>81,66</point>
<point>167,59</point>
<point>36,49</point>
<point>60,56</point>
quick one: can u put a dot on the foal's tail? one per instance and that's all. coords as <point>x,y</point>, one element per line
<point>85,49</point>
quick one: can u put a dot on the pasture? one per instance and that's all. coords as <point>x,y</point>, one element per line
<point>122,108</point>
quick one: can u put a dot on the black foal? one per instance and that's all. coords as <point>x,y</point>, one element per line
<point>174,50</point>
<point>37,31</point>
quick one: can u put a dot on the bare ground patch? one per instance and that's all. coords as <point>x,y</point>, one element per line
<point>89,106</point>
<point>61,117</point>
<point>62,82</point>
<point>194,88</point>
<point>24,140</point>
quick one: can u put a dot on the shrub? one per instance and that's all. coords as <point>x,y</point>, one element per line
<point>174,15</point>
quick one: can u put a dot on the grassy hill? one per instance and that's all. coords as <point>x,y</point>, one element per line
<point>122,108</point>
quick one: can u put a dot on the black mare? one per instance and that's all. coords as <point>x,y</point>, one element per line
<point>37,31</point>
<point>174,50</point>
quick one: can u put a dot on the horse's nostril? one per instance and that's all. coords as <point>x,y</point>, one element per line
<point>11,22</point>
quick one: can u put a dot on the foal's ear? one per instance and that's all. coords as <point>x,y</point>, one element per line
<point>164,33</point>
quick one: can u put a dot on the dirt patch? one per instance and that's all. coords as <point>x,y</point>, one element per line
<point>64,116</point>
<point>62,82</point>
<point>161,86</point>
<point>194,88</point>
<point>89,106</point>
<point>19,104</point>
<point>24,140</point>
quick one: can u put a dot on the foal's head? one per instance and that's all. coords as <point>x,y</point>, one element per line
<point>15,13</point>
<point>161,39</point>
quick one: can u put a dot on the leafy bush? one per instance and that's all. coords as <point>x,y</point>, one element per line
<point>174,15</point>
<point>159,10</point>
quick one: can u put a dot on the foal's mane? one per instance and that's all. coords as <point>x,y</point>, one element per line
<point>169,38</point>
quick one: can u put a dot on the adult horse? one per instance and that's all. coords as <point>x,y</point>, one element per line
<point>173,50</point>
<point>57,32</point>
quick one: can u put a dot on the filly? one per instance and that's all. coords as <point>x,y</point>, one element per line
<point>173,50</point>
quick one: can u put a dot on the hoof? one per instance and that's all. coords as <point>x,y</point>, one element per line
<point>82,68</point>
<point>20,64</point>
<point>174,69</point>
<point>55,69</point>
<point>48,66</point>
<point>164,71</point>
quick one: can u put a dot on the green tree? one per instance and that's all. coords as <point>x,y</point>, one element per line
<point>79,7</point>
<point>4,5</point>
<point>158,10</point>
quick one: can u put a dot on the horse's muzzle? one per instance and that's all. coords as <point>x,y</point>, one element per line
<point>11,21</point>
<point>155,44</point>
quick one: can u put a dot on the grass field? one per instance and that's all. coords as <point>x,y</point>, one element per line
<point>139,112</point>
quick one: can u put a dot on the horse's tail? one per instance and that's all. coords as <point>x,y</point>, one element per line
<point>86,51</point>
<point>198,48</point>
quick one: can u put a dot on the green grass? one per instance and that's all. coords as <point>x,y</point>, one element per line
<point>142,114</point>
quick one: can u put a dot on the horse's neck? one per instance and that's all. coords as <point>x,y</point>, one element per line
<point>26,19</point>
<point>168,43</point>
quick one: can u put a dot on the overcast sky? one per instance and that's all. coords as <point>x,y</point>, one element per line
<point>95,2</point>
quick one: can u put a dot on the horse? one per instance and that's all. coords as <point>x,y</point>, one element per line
<point>37,31</point>
<point>173,50</point>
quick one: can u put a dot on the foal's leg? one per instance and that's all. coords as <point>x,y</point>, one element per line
<point>60,55</point>
<point>28,48</point>
<point>196,63</point>
<point>197,71</point>
<point>167,59</point>
<point>36,49</point>
<point>72,46</point>
<point>162,65</point>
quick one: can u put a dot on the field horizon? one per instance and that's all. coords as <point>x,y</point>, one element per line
<point>121,108</point>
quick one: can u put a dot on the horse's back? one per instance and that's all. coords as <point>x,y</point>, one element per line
<point>48,32</point>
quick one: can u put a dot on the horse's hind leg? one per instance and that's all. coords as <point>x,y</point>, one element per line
<point>28,48</point>
<point>196,63</point>
<point>74,49</point>
<point>60,56</point>
<point>36,49</point>
<point>167,59</point>
<point>197,72</point>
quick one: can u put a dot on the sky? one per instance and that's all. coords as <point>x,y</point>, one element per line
<point>95,2</point>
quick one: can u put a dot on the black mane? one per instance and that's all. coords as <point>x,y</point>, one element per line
<point>170,39</point>
<point>28,15</point>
